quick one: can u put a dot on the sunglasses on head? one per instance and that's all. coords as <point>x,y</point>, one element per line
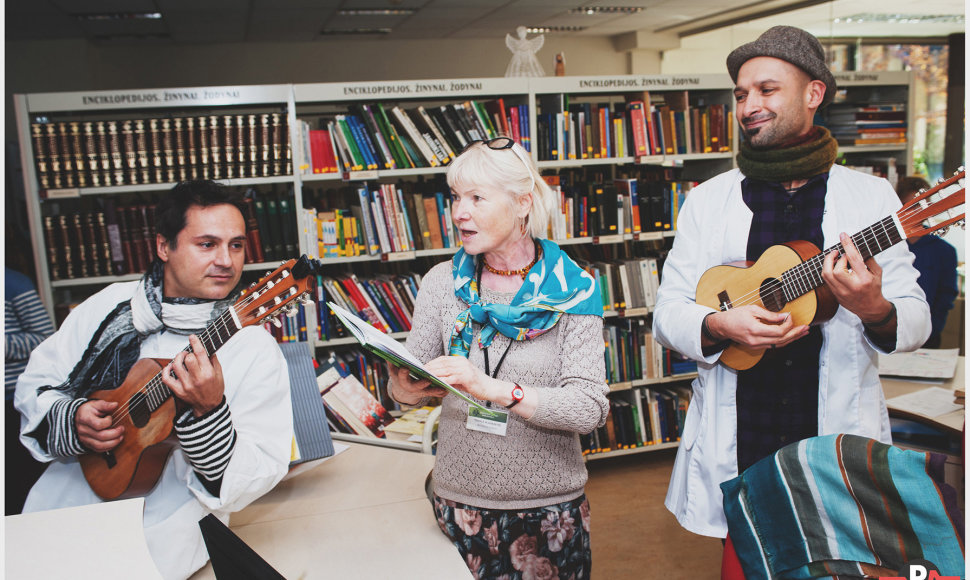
<point>501,143</point>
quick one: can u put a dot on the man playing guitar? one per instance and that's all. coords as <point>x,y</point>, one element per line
<point>814,379</point>
<point>232,419</point>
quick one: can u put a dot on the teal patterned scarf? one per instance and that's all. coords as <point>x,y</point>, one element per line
<point>555,285</point>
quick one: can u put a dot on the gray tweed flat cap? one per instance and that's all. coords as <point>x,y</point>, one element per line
<point>790,44</point>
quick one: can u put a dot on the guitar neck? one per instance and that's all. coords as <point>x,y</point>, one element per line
<point>212,338</point>
<point>807,276</point>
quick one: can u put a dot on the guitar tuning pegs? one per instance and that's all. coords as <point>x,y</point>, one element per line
<point>253,285</point>
<point>276,322</point>
<point>292,310</point>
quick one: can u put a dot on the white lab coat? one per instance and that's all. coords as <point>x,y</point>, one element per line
<point>712,229</point>
<point>257,389</point>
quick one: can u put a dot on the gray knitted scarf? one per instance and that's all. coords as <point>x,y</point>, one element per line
<point>116,344</point>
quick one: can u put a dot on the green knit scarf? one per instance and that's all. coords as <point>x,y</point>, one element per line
<point>810,156</point>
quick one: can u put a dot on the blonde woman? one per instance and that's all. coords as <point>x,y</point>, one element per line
<point>513,322</point>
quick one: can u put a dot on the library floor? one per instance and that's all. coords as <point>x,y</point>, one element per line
<point>633,534</point>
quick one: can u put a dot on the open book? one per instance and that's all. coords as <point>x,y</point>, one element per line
<point>391,350</point>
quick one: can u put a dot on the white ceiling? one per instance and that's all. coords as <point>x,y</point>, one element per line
<point>206,21</point>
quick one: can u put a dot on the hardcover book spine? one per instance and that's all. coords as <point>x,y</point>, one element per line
<point>50,240</point>
<point>157,162</point>
<point>67,156</point>
<point>77,150</point>
<point>92,247</point>
<point>168,150</point>
<point>115,238</point>
<point>215,147</point>
<point>64,238</point>
<point>229,146</point>
<point>277,140</point>
<point>191,149</point>
<point>205,149</point>
<point>242,147</point>
<point>91,154</point>
<point>253,156</point>
<point>181,161</point>
<point>114,148</point>
<point>40,155</point>
<point>54,150</point>
<point>253,239</point>
<point>265,146</point>
<point>77,239</point>
<point>131,155</point>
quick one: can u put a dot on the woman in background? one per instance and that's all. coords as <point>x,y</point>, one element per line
<point>516,324</point>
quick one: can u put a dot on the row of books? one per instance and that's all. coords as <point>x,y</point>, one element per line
<point>624,206</point>
<point>120,239</point>
<point>876,124</point>
<point>632,354</point>
<point>385,301</point>
<point>115,241</point>
<point>71,154</point>
<point>377,136</point>
<point>626,284</point>
<point>384,219</point>
<point>640,417</point>
<point>633,129</point>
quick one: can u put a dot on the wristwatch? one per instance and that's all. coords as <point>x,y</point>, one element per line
<point>517,395</point>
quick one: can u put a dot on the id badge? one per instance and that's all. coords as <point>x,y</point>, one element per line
<point>491,421</point>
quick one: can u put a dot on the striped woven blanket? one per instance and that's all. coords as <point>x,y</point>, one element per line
<point>844,506</point>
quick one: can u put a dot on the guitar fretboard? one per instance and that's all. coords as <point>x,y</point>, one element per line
<point>220,330</point>
<point>807,276</point>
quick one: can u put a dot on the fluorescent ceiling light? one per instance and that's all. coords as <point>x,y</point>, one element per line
<point>543,29</point>
<point>119,16</point>
<point>592,10</point>
<point>867,18</point>
<point>331,32</point>
<point>376,12</point>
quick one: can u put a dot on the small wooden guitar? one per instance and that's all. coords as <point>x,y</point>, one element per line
<point>146,406</point>
<point>788,277</point>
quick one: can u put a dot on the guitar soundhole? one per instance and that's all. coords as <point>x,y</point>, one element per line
<point>140,413</point>
<point>772,296</point>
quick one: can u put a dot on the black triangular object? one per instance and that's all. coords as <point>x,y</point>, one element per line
<point>232,558</point>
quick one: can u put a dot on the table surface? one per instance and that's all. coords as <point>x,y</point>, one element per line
<point>950,422</point>
<point>363,513</point>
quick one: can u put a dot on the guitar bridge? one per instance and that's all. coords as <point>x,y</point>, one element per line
<point>724,299</point>
<point>109,458</point>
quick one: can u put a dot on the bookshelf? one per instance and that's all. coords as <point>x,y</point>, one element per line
<point>872,118</point>
<point>269,133</point>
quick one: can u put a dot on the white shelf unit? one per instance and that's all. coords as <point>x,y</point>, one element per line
<point>298,99</point>
<point>122,104</point>
<point>873,88</point>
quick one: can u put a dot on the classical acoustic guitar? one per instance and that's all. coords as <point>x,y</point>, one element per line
<point>788,277</point>
<point>147,408</point>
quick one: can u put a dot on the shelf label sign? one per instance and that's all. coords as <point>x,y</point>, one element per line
<point>640,82</point>
<point>423,88</point>
<point>128,99</point>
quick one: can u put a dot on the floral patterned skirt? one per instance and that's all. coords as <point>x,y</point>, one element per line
<point>534,544</point>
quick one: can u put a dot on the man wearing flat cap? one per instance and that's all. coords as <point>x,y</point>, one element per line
<point>813,380</point>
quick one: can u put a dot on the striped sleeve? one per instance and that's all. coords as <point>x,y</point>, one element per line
<point>62,439</point>
<point>27,325</point>
<point>208,442</point>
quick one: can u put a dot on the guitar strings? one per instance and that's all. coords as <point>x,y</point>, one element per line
<point>155,386</point>
<point>795,275</point>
